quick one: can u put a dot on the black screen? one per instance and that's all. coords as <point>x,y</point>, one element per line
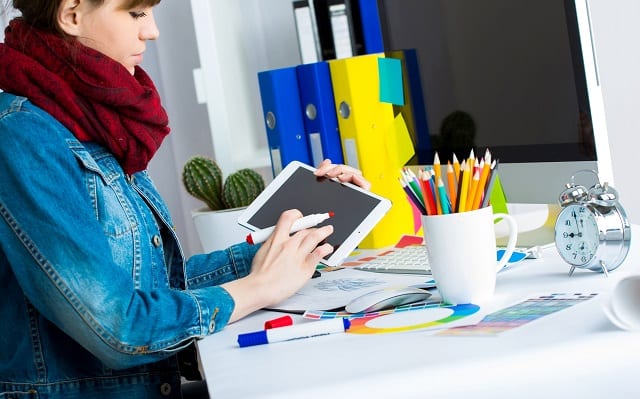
<point>507,75</point>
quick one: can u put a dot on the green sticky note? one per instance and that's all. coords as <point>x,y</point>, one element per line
<point>498,199</point>
<point>390,74</point>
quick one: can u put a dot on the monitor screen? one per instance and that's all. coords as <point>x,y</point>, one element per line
<point>507,75</point>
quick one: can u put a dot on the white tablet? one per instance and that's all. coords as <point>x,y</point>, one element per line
<point>356,211</point>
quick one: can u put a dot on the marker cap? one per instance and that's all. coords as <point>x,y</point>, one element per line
<point>253,338</point>
<point>279,322</point>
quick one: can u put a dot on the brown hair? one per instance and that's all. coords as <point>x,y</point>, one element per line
<point>42,13</point>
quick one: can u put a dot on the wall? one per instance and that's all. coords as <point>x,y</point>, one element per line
<point>617,37</point>
<point>170,61</point>
<point>236,40</point>
<point>229,42</point>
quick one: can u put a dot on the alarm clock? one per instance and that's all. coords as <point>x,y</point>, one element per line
<point>592,230</point>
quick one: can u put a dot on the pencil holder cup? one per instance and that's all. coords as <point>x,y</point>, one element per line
<point>461,248</point>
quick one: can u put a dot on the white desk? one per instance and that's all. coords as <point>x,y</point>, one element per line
<point>574,353</point>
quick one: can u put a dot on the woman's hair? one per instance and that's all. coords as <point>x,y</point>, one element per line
<point>42,13</point>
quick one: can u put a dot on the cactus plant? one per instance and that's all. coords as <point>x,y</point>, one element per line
<point>202,177</point>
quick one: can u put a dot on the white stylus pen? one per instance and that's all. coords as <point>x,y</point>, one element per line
<point>305,222</point>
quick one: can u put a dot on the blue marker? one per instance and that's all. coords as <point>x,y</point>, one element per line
<point>297,331</point>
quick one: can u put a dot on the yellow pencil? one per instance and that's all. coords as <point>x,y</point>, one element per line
<point>456,166</point>
<point>436,167</point>
<point>486,168</point>
<point>464,189</point>
<point>456,207</point>
<point>472,190</point>
<point>471,160</point>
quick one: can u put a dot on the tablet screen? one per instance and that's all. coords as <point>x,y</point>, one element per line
<point>355,211</point>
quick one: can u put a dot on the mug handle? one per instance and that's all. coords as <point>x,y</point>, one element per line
<point>513,236</point>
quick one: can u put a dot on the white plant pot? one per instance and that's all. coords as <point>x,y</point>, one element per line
<point>219,229</point>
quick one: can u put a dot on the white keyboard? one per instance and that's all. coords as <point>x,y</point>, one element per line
<point>407,260</point>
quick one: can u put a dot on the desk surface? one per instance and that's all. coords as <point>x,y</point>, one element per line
<point>573,353</point>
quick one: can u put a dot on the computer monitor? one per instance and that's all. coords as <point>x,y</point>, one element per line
<point>519,76</point>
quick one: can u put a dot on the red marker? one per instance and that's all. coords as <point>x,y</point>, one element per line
<point>306,222</point>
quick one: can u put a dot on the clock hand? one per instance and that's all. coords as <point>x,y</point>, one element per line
<point>575,217</point>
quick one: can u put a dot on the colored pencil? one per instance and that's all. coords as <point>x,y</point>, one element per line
<point>456,207</point>
<point>436,167</point>
<point>486,168</point>
<point>473,189</point>
<point>443,198</point>
<point>489,186</point>
<point>432,208</point>
<point>456,167</point>
<point>451,183</point>
<point>464,189</point>
<point>412,180</point>
<point>412,196</point>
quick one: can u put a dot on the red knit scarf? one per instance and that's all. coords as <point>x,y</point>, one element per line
<point>95,97</point>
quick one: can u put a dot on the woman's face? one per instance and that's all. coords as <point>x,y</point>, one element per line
<point>115,31</point>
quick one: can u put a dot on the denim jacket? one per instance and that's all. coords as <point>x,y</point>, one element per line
<point>92,278</point>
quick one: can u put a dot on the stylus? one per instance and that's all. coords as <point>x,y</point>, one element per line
<point>305,222</point>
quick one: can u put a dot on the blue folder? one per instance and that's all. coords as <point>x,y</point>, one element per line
<point>283,117</point>
<point>371,29</point>
<point>319,113</point>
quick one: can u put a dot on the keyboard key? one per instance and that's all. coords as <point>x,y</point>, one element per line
<point>407,260</point>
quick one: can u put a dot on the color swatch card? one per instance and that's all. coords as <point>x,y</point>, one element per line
<point>520,314</point>
<point>414,317</point>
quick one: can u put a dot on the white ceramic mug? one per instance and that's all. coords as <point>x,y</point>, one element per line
<point>462,253</point>
<point>625,303</point>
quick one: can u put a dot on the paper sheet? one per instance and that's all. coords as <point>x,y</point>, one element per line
<point>334,289</point>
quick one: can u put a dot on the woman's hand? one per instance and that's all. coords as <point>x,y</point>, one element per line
<point>284,262</point>
<point>282,265</point>
<point>344,173</point>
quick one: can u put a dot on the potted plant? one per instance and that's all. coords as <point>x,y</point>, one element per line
<point>217,223</point>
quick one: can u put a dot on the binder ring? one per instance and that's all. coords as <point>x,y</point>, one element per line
<point>271,120</point>
<point>345,110</point>
<point>311,112</point>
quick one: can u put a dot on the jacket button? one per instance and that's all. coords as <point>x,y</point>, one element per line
<point>157,241</point>
<point>165,389</point>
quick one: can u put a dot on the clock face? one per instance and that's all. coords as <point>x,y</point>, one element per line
<point>577,235</point>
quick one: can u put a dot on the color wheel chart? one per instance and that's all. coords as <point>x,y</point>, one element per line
<point>404,318</point>
<point>519,314</point>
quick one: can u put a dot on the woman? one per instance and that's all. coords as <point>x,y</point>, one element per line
<point>96,297</point>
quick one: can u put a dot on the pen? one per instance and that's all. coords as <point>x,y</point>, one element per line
<point>305,222</point>
<point>294,332</point>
